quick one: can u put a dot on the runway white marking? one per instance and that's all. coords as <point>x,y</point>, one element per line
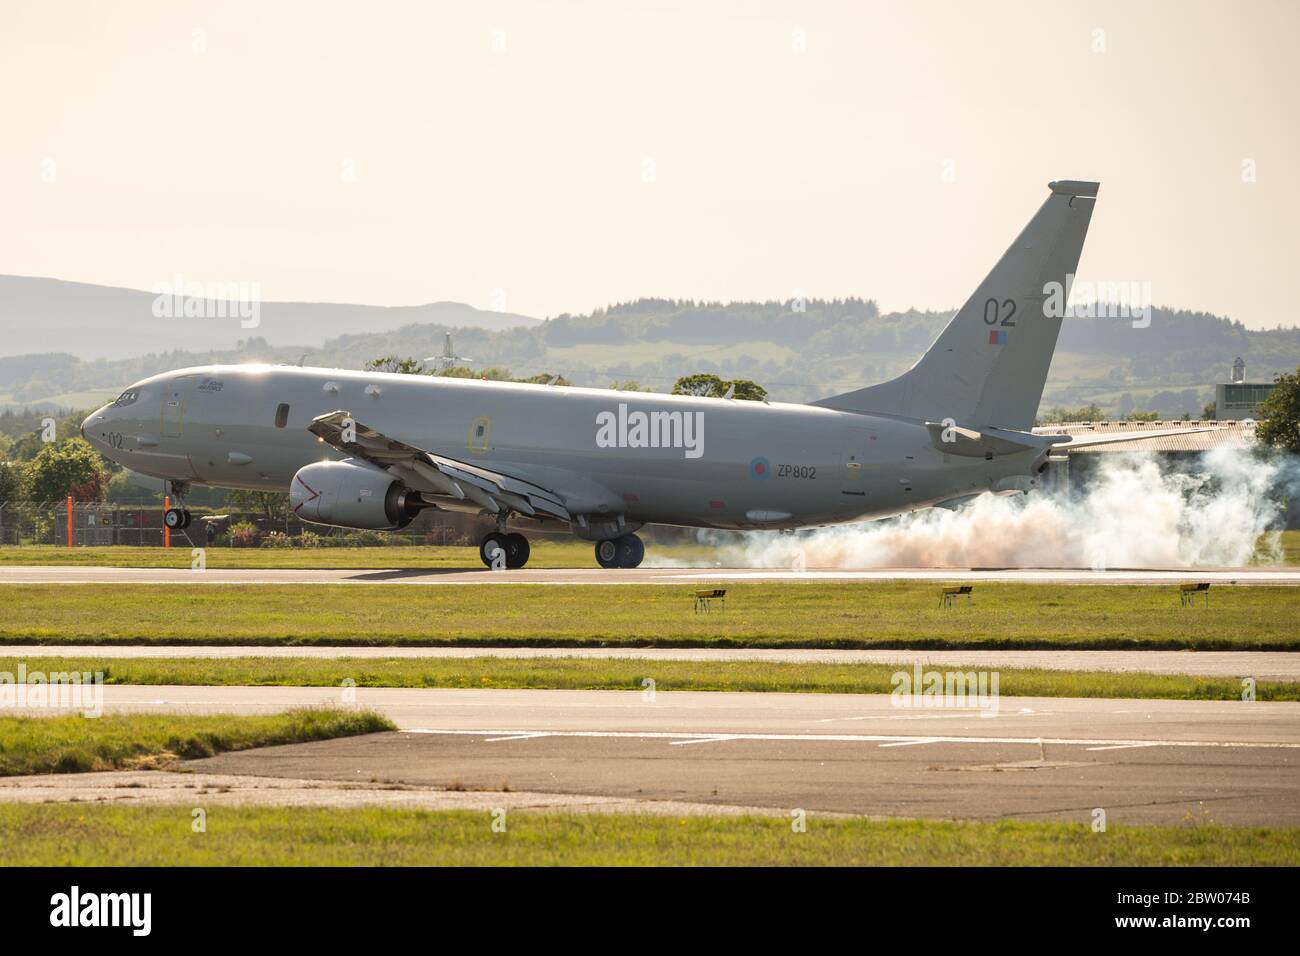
<point>1123,746</point>
<point>494,740</point>
<point>701,740</point>
<point>911,743</point>
<point>862,738</point>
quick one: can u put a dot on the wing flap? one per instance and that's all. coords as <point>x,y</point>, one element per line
<point>443,476</point>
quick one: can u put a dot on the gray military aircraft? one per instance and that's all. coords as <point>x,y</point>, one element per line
<point>371,450</point>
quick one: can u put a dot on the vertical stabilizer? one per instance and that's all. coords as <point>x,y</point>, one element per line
<point>989,365</point>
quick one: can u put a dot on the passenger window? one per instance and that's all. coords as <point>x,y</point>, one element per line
<point>281,415</point>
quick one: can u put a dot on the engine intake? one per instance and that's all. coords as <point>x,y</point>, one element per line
<point>349,494</point>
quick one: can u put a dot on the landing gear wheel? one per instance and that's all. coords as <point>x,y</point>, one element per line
<point>490,546</point>
<point>176,518</point>
<point>624,552</point>
<point>631,551</point>
<point>513,546</point>
<point>517,550</point>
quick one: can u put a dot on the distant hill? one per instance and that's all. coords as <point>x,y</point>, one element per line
<point>1170,367</point>
<point>103,322</point>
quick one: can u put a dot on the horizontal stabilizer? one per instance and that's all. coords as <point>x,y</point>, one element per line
<point>988,443</point>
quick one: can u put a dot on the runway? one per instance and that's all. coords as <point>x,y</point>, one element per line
<point>1261,665</point>
<point>1035,759</point>
<point>18,574</point>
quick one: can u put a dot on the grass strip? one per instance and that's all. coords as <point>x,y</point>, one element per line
<point>571,673</point>
<point>830,614</point>
<point>76,744</point>
<point>84,835</point>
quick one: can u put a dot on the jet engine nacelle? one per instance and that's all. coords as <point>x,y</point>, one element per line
<point>349,494</point>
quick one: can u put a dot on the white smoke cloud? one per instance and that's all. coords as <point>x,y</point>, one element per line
<point>1136,512</point>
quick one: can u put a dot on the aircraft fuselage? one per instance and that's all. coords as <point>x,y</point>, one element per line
<point>653,458</point>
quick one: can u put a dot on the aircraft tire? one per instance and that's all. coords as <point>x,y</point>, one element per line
<point>490,545</point>
<point>607,553</point>
<point>517,550</point>
<point>631,551</point>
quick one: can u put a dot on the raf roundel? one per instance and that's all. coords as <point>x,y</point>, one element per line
<point>758,468</point>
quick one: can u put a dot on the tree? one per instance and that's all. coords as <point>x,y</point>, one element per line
<point>631,385</point>
<point>70,467</point>
<point>1210,412</point>
<point>11,476</point>
<point>1279,414</point>
<point>397,364</point>
<point>704,385</point>
<point>271,505</point>
<point>1088,413</point>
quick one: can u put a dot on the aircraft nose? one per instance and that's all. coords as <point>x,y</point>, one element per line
<point>93,419</point>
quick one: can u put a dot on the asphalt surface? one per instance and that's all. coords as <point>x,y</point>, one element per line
<point>665,576</point>
<point>1036,759</point>
<point>1261,665</point>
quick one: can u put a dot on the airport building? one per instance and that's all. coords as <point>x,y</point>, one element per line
<point>1238,399</point>
<point>1071,467</point>
<point>1072,470</point>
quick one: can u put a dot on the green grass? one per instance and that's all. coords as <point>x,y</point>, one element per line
<point>81,835</point>
<point>1290,545</point>
<point>568,673</point>
<point>758,614</point>
<point>77,744</point>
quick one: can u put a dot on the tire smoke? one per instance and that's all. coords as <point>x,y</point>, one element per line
<point>1137,511</point>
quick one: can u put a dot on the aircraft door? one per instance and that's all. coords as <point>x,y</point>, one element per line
<point>174,398</point>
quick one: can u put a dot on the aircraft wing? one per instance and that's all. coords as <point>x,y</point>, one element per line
<point>1107,438</point>
<point>438,475</point>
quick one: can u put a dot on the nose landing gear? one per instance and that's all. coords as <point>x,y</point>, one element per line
<point>624,552</point>
<point>177,519</point>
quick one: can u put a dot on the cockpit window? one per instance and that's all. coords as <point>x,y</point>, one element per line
<point>127,398</point>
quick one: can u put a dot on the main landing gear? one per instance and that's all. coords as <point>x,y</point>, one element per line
<point>624,552</point>
<point>499,549</point>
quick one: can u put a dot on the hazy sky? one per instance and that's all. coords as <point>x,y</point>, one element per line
<point>576,154</point>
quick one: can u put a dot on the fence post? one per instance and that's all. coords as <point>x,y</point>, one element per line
<point>167,532</point>
<point>69,521</point>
